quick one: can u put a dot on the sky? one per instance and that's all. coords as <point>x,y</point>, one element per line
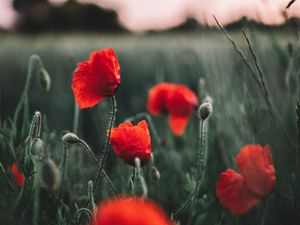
<point>143,15</point>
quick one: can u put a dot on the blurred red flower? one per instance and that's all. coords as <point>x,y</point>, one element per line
<point>131,141</point>
<point>238,192</point>
<point>157,95</point>
<point>233,194</point>
<point>177,100</point>
<point>96,78</point>
<point>19,177</point>
<point>256,166</point>
<point>180,103</point>
<point>129,211</point>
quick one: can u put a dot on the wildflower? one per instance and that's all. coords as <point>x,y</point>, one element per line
<point>131,141</point>
<point>96,78</point>
<point>240,192</point>
<point>129,211</point>
<point>233,194</point>
<point>177,100</point>
<point>157,98</point>
<point>19,177</point>
<point>256,166</point>
<point>181,102</point>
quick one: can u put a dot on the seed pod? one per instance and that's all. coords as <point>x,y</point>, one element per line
<point>45,80</point>
<point>155,173</point>
<point>50,176</point>
<point>70,138</point>
<point>205,111</point>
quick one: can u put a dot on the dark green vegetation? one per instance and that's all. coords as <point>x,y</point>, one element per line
<point>241,116</point>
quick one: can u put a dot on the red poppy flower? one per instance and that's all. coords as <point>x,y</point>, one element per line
<point>256,166</point>
<point>233,194</point>
<point>180,103</point>
<point>157,98</point>
<point>177,100</point>
<point>19,177</point>
<point>241,192</point>
<point>131,141</point>
<point>96,78</point>
<point>129,211</point>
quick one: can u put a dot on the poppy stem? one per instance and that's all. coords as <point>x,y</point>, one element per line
<point>91,196</point>
<point>107,143</point>
<point>36,202</point>
<point>76,118</point>
<point>80,212</point>
<point>88,149</point>
<point>205,111</point>
<point>140,186</point>
<point>33,60</point>
<point>64,165</point>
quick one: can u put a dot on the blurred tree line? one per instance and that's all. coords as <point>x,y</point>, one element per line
<point>40,15</point>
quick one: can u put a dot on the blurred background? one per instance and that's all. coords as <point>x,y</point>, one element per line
<point>139,15</point>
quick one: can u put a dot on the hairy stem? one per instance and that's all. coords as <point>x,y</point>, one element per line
<point>201,165</point>
<point>76,118</point>
<point>88,149</point>
<point>63,173</point>
<point>107,142</point>
<point>33,60</point>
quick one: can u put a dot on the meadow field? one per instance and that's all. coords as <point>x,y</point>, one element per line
<point>254,101</point>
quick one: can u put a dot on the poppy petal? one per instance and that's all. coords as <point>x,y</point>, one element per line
<point>130,141</point>
<point>181,101</point>
<point>129,211</point>
<point>233,194</point>
<point>19,177</point>
<point>178,124</point>
<point>97,78</point>
<point>256,166</point>
<point>156,104</point>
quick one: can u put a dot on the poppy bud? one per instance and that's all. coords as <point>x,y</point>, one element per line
<point>155,173</point>
<point>37,148</point>
<point>205,110</point>
<point>45,80</point>
<point>208,99</point>
<point>50,174</point>
<point>35,127</point>
<point>70,138</point>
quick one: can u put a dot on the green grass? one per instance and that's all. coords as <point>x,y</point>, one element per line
<point>240,117</point>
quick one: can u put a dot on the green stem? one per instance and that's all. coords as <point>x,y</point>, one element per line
<point>201,165</point>
<point>91,195</point>
<point>112,120</point>
<point>34,59</point>
<point>87,148</point>
<point>83,211</point>
<point>64,165</point>
<point>76,118</point>
<point>36,202</point>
